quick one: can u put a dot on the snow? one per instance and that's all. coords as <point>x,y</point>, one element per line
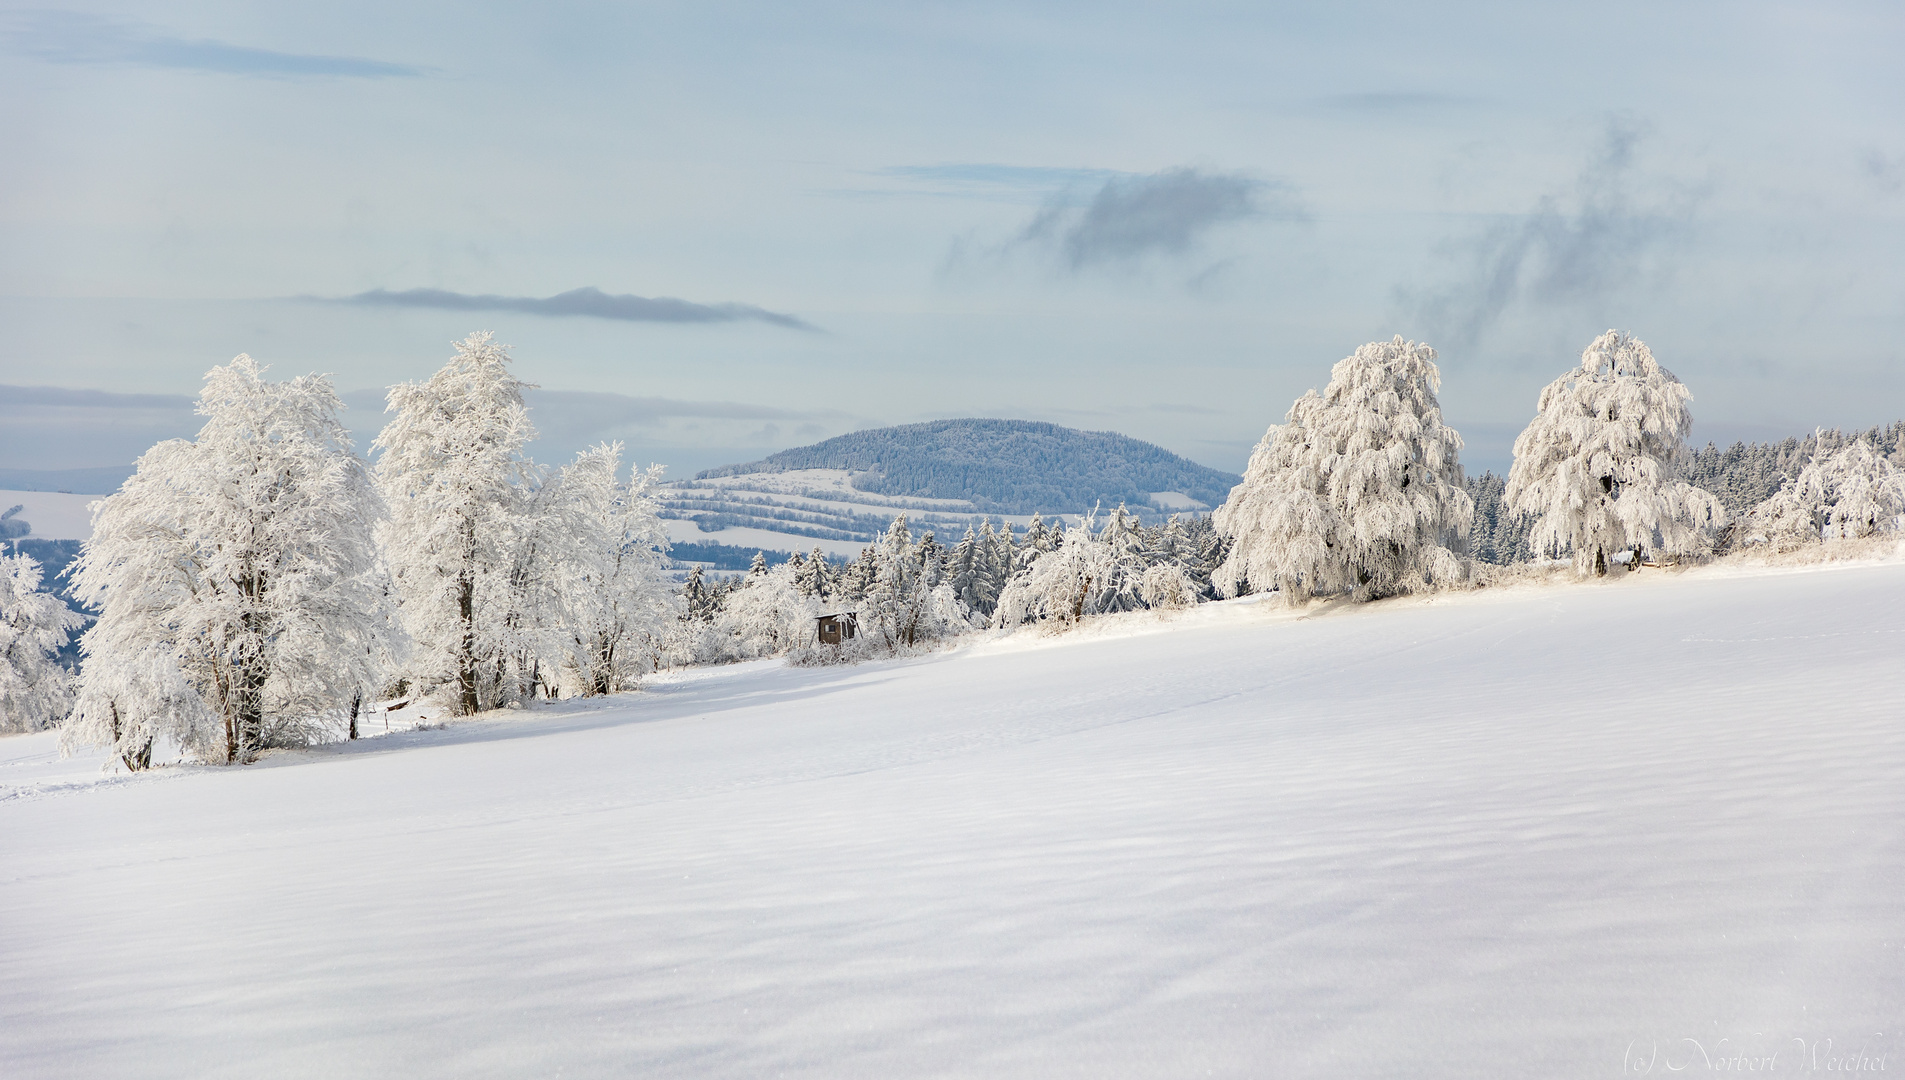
<point>1537,831</point>
<point>54,515</point>
<point>749,539</point>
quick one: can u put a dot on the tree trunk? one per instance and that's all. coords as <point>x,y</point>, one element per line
<point>466,649</point>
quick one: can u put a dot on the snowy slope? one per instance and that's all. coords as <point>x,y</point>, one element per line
<point>53,515</point>
<point>1555,832</point>
<point>797,509</point>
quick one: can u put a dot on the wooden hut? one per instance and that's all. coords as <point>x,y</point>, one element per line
<point>836,628</point>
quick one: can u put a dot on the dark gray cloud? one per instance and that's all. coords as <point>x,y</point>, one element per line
<point>588,302</point>
<point>1574,247</point>
<point>64,37</point>
<point>1168,212</point>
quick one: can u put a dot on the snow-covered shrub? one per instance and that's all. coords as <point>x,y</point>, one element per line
<point>461,499</point>
<point>34,626</point>
<point>1167,586</point>
<point>1846,494</point>
<point>241,599</point>
<point>1359,490</point>
<point>1599,466</point>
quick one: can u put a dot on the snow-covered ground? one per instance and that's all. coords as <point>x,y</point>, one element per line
<point>1585,831</point>
<point>54,515</point>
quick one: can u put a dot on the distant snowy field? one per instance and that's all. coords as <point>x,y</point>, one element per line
<point>1585,831</point>
<point>54,515</point>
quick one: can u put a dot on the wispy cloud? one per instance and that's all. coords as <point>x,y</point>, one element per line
<point>972,176</point>
<point>1885,173</point>
<point>64,37</point>
<point>587,302</point>
<point>1391,101</point>
<point>1572,247</point>
<point>1167,212</point>
<point>979,181</point>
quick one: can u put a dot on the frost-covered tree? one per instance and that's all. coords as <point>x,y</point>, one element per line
<point>767,615</point>
<point>1359,490</point>
<point>35,691</point>
<point>700,602</point>
<point>240,596</point>
<point>1599,466</point>
<point>612,579</point>
<point>1848,493</point>
<point>460,491</point>
<point>1062,584</point>
<point>814,578</point>
<point>1121,586</point>
<point>905,605</point>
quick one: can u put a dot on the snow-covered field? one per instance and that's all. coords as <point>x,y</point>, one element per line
<point>54,515</point>
<point>1587,831</point>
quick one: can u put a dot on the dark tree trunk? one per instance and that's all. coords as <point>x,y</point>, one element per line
<point>466,649</point>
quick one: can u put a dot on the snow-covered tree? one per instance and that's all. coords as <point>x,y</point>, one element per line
<point>814,578</point>
<point>1599,466</point>
<point>1039,538</point>
<point>34,626</point>
<point>240,596</point>
<point>1848,493</point>
<point>612,580</point>
<point>1121,587</point>
<point>1360,490</point>
<point>767,615</point>
<point>460,493</point>
<point>905,605</point>
<point>1062,584</point>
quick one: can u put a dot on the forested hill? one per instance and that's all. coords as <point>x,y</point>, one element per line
<point>1003,466</point>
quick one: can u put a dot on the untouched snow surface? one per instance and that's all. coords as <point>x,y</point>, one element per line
<point>1585,831</point>
<point>54,515</point>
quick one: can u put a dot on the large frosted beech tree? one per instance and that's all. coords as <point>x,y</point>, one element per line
<point>1599,466</point>
<point>241,600</point>
<point>1359,491</point>
<point>460,494</point>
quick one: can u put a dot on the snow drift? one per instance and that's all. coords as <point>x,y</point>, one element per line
<point>1565,832</point>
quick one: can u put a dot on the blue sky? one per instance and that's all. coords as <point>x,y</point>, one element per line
<point>718,230</point>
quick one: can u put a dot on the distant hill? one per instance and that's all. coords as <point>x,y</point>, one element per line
<point>1002,466</point>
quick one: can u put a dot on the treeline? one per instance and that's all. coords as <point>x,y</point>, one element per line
<point>909,590</point>
<point>261,585</point>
